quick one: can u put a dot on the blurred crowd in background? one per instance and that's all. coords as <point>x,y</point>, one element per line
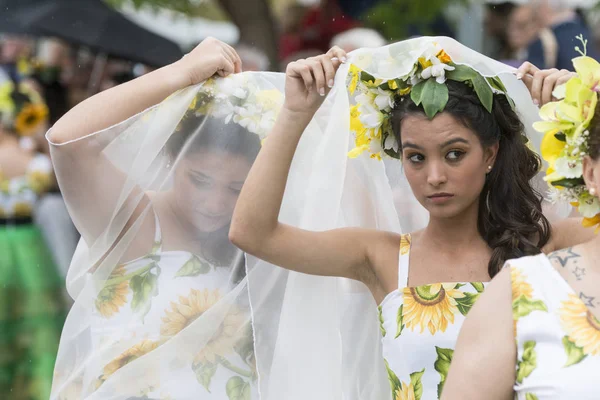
<point>66,72</point>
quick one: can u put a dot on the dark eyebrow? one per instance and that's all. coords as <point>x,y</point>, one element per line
<point>199,174</point>
<point>411,145</point>
<point>452,141</point>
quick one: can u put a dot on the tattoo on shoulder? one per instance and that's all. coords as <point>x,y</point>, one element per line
<point>563,257</point>
<point>587,300</point>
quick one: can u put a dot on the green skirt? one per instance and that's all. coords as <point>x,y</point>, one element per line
<point>32,312</point>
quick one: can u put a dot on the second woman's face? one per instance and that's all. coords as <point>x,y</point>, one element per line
<point>444,163</point>
<point>207,186</point>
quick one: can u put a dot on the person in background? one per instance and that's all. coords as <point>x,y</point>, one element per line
<point>357,38</point>
<point>522,29</point>
<point>15,54</point>
<point>253,59</point>
<point>32,306</point>
<point>50,212</point>
<point>495,25</point>
<point>565,24</point>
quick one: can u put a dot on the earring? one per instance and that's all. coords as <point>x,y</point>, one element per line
<point>489,169</point>
<point>592,191</point>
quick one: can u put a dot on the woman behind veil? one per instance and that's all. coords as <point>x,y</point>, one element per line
<point>161,308</point>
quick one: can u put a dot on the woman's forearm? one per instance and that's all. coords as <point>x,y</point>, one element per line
<point>257,209</point>
<point>118,104</point>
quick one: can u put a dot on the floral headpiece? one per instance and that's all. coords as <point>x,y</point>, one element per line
<point>22,109</point>
<point>370,116</point>
<point>565,126</point>
<point>239,99</point>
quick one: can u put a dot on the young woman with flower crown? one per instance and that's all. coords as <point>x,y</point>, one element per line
<point>536,330</point>
<point>467,162</point>
<point>150,171</point>
<point>32,306</point>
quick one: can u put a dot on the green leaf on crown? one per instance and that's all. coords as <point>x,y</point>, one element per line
<point>366,77</point>
<point>560,136</point>
<point>575,354</point>
<point>484,92</point>
<point>569,182</point>
<point>461,73</point>
<point>431,95</point>
<point>531,396</point>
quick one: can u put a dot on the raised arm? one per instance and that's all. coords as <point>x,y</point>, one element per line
<point>90,183</point>
<point>121,102</point>
<point>568,232</point>
<point>255,227</point>
<point>483,364</point>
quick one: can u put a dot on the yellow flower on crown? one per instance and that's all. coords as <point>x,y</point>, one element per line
<point>423,80</point>
<point>565,125</point>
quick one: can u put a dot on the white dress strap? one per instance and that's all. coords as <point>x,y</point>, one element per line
<point>403,261</point>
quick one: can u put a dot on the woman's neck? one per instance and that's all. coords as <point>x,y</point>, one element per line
<point>455,232</point>
<point>592,249</point>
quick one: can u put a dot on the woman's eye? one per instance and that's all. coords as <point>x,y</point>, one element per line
<point>416,158</point>
<point>455,155</point>
<point>200,182</point>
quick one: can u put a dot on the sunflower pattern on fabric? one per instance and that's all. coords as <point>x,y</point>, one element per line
<point>420,326</point>
<point>159,296</point>
<point>556,334</point>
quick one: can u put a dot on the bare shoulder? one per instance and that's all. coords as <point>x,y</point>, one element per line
<point>567,233</point>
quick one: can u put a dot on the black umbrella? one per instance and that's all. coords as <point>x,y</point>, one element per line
<point>89,23</point>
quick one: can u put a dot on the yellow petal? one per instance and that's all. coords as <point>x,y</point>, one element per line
<point>551,148</point>
<point>588,70</point>
<point>357,151</point>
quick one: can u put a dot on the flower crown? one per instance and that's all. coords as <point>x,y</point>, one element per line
<point>22,108</point>
<point>565,126</point>
<point>238,98</point>
<point>370,116</point>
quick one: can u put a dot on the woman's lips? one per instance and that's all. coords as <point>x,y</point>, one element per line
<point>439,198</point>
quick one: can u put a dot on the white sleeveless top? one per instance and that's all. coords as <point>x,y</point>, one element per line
<point>149,300</point>
<point>420,326</point>
<point>558,338</point>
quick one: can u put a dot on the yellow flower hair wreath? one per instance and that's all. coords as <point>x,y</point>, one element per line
<point>370,116</point>
<point>565,126</point>
<point>21,108</point>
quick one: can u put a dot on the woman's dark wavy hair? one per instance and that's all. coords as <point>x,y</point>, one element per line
<point>594,138</point>
<point>510,211</point>
<point>196,133</point>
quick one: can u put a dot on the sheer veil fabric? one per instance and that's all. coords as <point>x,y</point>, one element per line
<point>164,304</point>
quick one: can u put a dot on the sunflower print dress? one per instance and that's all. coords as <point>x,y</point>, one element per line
<point>419,327</point>
<point>558,338</point>
<point>149,300</point>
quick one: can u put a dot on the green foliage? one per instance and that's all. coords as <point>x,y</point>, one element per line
<point>392,17</point>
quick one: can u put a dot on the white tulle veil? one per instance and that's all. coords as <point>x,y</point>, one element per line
<point>314,337</point>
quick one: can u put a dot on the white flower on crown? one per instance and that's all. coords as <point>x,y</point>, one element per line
<point>437,69</point>
<point>391,143</point>
<point>569,167</point>
<point>588,205</point>
<point>370,115</point>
